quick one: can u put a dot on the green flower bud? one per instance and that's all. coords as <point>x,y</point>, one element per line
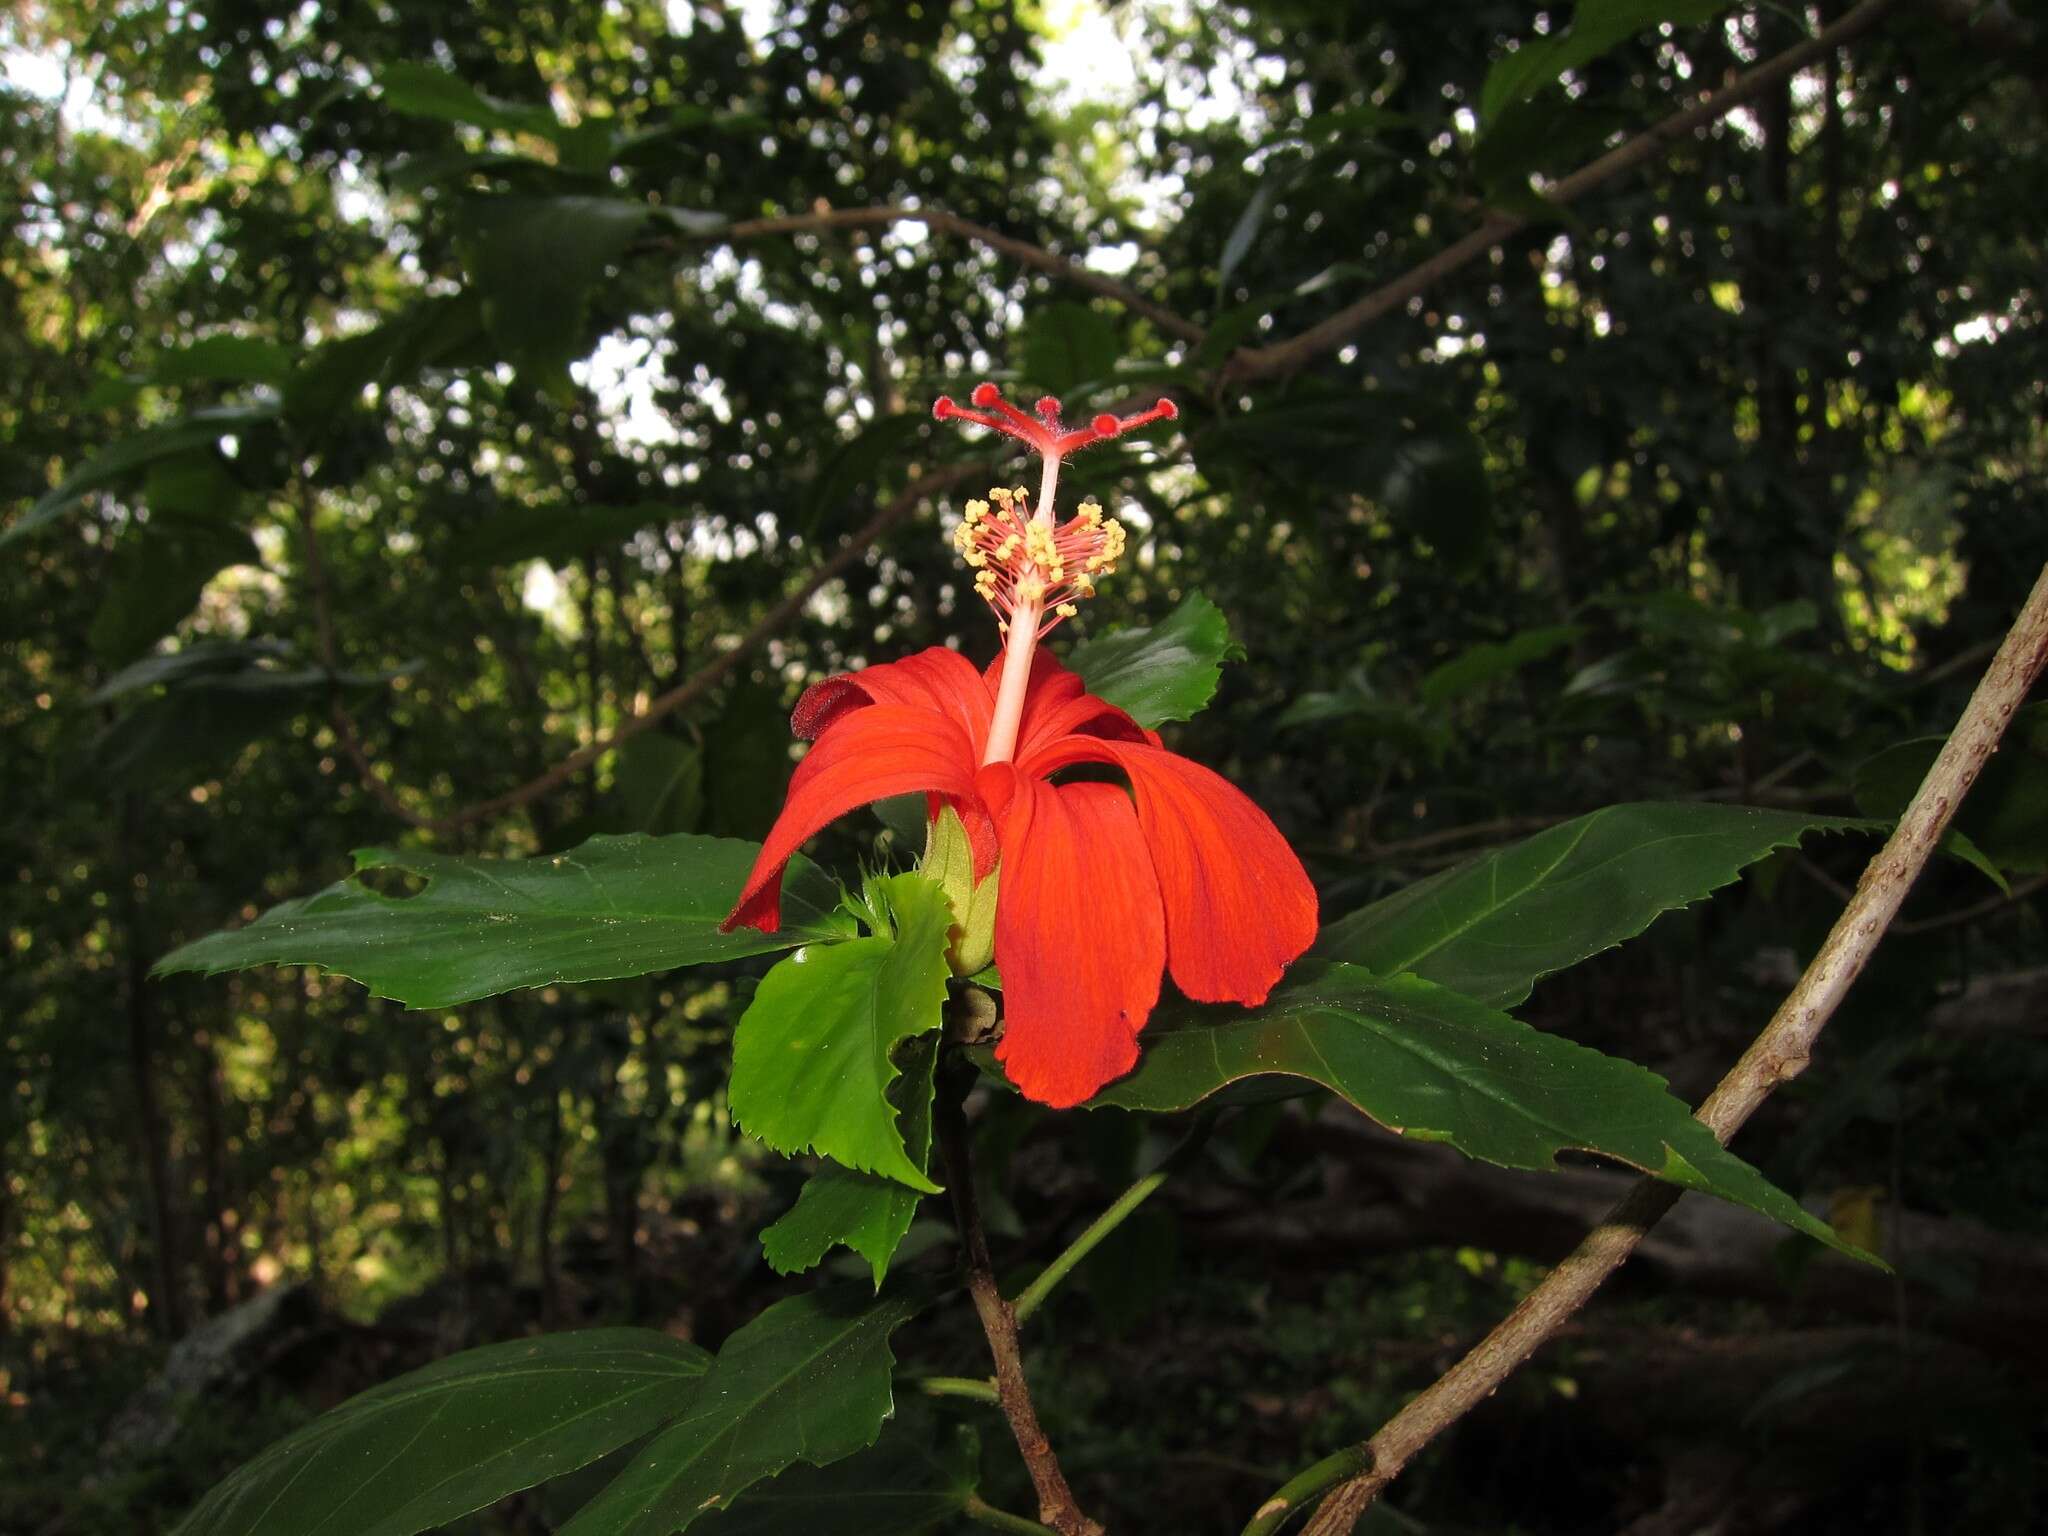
<point>949,864</point>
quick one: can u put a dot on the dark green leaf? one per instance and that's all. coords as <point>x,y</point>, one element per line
<point>1491,927</point>
<point>444,332</point>
<point>660,785</point>
<point>806,1380</point>
<point>1434,1064</point>
<point>746,762</point>
<point>2005,818</point>
<point>1437,486</point>
<point>1164,672</point>
<point>858,461</point>
<point>557,534</point>
<point>225,360</point>
<point>902,1487</point>
<point>1246,230</point>
<point>1597,26</point>
<point>119,461</point>
<point>158,571</point>
<point>419,90</point>
<point>535,259</point>
<point>417,1452</point>
<point>1068,344</point>
<point>1479,665</point>
<point>195,660</point>
<point>616,906</point>
<point>868,1214</point>
<point>812,1059</point>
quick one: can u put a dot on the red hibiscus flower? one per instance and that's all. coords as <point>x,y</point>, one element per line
<point>1100,887</point>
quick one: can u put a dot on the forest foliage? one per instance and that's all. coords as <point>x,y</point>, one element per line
<point>443,441</point>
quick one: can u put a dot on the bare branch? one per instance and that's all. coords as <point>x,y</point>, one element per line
<point>1020,251</point>
<point>1286,356</point>
<point>1778,1055</point>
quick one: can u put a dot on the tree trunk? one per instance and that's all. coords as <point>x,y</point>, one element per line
<point>167,1304</point>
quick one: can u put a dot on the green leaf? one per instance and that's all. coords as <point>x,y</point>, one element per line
<point>121,460</point>
<point>1597,27</point>
<point>660,785</point>
<point>419,90</point>
<point>1164,672</point>
<point>1431,1063</point>
<point>859,461</point>
<point>746,761</point>
<point>902,1487</point>
<point>458,1436</point>
<point>556,534</point>
<point>1068,344</point>
<point>616,906</point>
<point>535,261</point>
<point>1475,667</point>
<point>225,360</point>
<point>157,573</point>
<point>1246,230</point>
<point>806,1380</point>
<point>867,1213</point>
<point>1437,485</point>
<point>812,1059</point>
<point>1491,927</point>
<point>444,332</point>
<point>199,659</point>
<point>2006,814</point>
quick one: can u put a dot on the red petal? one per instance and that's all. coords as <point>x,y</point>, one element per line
<point>868,754</point>
<point>1057,705</point>
<point>1079,934</point>
<point>1239,906</point>
<point>937,679</point>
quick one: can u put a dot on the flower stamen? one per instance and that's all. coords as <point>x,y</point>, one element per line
<point>1021,563</point>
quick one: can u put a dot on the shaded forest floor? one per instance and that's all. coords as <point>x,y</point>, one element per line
<point>1222,1339</point>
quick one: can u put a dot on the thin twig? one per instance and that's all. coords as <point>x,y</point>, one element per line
<point>982,1512</point>
<point>1056,1506</point>
<point>1778,1055</point>
<point>691,688</point>
<point>979,1389</point>
<point>1033,1295</point>
<point>1021,251</point>
<point>1990,904</point>
<point>1283,357</point>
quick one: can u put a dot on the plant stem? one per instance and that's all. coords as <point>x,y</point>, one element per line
<point>1029,1299</point>
<point>1779,1054</point>
<point>1001,1519</point>
<point>1305,1485</point>
<point>979,1388</point>
<point>1033,1295</point>
<point>1056,1506</point>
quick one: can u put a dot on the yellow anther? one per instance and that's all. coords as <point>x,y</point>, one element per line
<point>1030,589</point>
<point>1066,610</point>
<point>1084,584</point>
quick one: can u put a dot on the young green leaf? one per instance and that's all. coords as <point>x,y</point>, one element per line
<point>1491,927</point>
<point>458,1436</point>
<point>1431,1063</point>
<point>808,1379</point>
<point>812,1061</point>
<point>868,1214</point>
<point>616,906</point>
<point>1163,672</point>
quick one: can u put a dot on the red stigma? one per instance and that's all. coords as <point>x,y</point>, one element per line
<point>1044,435</point>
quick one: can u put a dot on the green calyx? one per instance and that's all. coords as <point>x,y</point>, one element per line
<point>949,863</point>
